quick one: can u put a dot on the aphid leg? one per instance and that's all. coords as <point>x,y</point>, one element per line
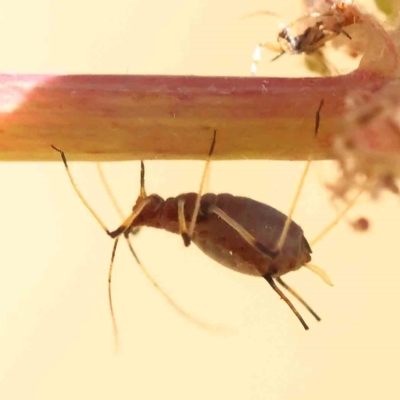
<point>110,300</point>
<point>142,181</point>
<point>298,297</point>
<point>272,254</point>
<point>181,202</point>
<point>114,201</point>
<point>196,209</point>
<point>318,117</point>
<point>182,222</point>
<point>78,192</point>
<point>113,234</point>
<point>288,221</point>
<point>269,279</point>
<point>241,231</point>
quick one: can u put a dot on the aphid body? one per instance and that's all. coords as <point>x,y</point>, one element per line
<point>240,233</point>
<point>220,241</point>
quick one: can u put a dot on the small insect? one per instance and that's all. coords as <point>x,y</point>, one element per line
<point>320,28</point>
<point>240,233</point>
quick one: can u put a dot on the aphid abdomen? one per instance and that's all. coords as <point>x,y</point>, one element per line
<point>222,243</point>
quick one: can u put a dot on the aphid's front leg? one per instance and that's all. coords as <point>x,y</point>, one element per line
<point>114,201</point>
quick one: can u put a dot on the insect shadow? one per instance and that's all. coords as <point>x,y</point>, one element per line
<point>237,232</point>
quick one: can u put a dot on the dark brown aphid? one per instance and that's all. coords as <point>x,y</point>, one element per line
<point>238,232</point>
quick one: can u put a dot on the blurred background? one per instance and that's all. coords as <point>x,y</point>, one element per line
<point>55,329</point>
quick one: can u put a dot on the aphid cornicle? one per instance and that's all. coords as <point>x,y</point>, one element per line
<point>238,232</point>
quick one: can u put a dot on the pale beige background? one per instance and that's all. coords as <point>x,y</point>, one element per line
<point>56,337</point>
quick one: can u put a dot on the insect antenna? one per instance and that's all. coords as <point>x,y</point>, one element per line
<point>150,278</point>
<point>113,234</point>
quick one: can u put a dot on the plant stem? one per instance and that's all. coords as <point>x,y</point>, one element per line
<point>103,117</point>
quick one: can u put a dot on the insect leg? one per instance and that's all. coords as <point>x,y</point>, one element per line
<point>200,193</point>
<point>79,193</point>
<point>114,201</point>
<point>288,221</point>
<point>242,232</point>
<point>253,242</point>
<point>182,222</point>
<point>298,297</point>
<point>269,279</point>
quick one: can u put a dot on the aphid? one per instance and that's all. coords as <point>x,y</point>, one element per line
<point>320,28</point>
<point>238,232</point>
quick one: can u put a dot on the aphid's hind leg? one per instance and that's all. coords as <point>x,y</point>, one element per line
<point>242,232</point>
<point>288,221</point>
<point>298,297</point>
<point>269,279</point>
<point>260,247</point>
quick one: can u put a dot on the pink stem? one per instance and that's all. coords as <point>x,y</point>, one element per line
<point>171,117</point>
